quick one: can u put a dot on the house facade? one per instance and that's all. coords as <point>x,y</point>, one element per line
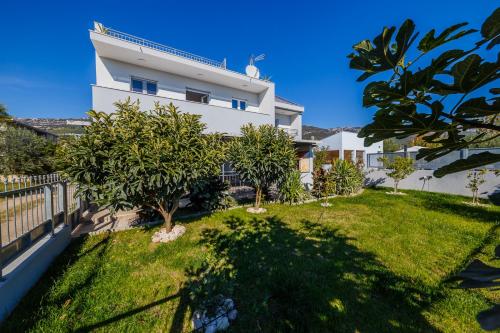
<point>129,66</point>
<point>347,146</point>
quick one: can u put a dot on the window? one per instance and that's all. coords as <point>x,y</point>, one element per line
<point>151,87</point>
<point>239,104</point>
<point>137,85</point>
<point>143,86</point>
<point>197,96</point>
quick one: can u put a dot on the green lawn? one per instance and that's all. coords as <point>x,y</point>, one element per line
<point>371,263</point>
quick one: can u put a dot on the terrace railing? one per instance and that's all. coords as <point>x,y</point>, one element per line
<point>373,159</point>
<point>32,207</point>
<point>162,48</point>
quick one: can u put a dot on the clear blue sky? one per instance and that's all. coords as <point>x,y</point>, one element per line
<point>47,59</point>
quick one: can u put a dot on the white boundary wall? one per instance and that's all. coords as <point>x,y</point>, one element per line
<point>453,183</point>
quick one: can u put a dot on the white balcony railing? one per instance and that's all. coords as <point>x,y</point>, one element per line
<point>293,132</point>
<point>162,48</point>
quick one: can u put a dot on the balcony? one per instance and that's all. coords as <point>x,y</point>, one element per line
<point>293,132</point>
<point>217,118</point>
<point>162,48</point>
<point>123,47</point>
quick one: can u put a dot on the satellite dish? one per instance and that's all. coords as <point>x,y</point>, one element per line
<point>252,70</point>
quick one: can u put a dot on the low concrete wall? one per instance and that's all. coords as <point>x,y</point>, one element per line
<point>23,272</point>
<point>453,183</point>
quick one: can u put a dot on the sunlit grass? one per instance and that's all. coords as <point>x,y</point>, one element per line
<point>371,263</point>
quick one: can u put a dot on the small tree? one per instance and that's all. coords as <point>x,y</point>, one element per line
<point>262,156</point>
<point>476,179</point>
<point>398,169</point>
<point>142,159</point>
<point>4,116</point>
<point>24,152</point>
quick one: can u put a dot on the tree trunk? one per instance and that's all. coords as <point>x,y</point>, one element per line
<point>396,187</point>
<point>258,194</point>
<point>167,213</point>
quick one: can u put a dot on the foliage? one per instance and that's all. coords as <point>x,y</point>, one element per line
<point>320,156</point>
<point>433,102</point>
<point>480,275</point>
<point>346,177</point>
<point>23,152</point>
<point>420,141</point>
<point>210,194</point>
<point>323,187</point>
<point>4,116</point>
<point>399,168</point>
<point>476,179</point>
<point>291,190</point>
<point>142,159</point>
<point>390,145</point>
<point>262,156</point>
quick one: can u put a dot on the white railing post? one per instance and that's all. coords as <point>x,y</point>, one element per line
<point>49,206</point>
<point>62,196</point>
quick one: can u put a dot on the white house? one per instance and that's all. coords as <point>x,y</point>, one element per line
<point>129,66</point>
<point>347,146</point>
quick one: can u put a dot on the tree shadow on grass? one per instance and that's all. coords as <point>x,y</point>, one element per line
<point>306,280</point>
<point>28,312</point>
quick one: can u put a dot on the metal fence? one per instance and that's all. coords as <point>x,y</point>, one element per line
<point>31,207</point>
<point>373,159</point>
<point>163,48</point>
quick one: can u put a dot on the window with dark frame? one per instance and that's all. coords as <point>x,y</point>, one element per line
<point>197,96</point>
<point>143,86</point>
<point>238,104</point>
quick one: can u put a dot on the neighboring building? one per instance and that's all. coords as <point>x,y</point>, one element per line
<point>347,146</point>
<point>129,66</point>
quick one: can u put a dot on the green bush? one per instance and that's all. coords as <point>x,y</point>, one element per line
<point>23,152</point>
<point>211,194</point>
<point>346,177</point>
<point>291,190</point>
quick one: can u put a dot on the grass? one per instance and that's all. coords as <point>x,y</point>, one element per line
<point>371,263</point>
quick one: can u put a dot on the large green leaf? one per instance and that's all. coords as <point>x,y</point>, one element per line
<point>478,107</point>
<point>430,42</point>
<point>491,29</point>
<point>468,75</point>
<point>472,162</point>
<point>385,52</point>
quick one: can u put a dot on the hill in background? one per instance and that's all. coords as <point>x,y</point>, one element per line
<point>318,133</point>
<point>60,127</point>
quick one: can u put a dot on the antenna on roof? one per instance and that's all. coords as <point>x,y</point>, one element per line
<point>251,70</point>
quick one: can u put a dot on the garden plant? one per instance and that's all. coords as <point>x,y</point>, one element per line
<point>147,159</point>
<point>263,156</point>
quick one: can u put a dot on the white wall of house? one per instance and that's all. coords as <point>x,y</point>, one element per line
<point>343,141</point>
<point>116,74</point>
<point>217,119</point>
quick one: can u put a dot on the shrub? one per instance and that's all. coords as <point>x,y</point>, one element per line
<point>211,194</point>
<point>291,190</point>
<point>346,177</point>
<point>142,159</point>
<point>399,169</point>
<point>263,156</point>
<point>24,152</point>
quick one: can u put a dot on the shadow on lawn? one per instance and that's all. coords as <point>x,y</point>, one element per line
<point>307,280</point>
